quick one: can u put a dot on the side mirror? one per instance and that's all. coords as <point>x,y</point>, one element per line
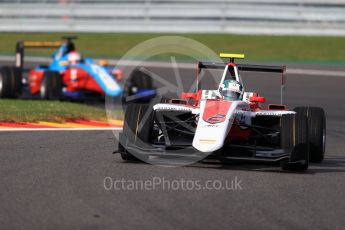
<point>189,95</point>
<point>257,99</point>
<point>64,63</point>
<point>103,62</point>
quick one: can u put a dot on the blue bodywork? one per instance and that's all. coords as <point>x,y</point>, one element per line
<point>101,74</point>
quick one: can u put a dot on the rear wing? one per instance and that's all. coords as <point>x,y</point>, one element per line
<point>243,67</point>
<point>40,44</point>
<point>249,68</point>
<point>21,45</point>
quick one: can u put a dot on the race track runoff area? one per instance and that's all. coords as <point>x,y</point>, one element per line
<point>68,125</point>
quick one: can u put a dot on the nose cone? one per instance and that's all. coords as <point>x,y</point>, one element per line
<point>207,145</point>
<point>212,129</point>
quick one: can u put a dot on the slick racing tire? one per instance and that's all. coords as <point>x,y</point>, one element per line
<point>317,131</point>
<point>137,129</point>
<point>51,86</point>
<point>137,81</point>
<point>10,82</point>
<point>294,137</point>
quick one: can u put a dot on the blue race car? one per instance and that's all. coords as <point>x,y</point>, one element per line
<point>68,75</point>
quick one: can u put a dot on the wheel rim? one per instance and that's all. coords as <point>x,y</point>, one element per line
<point>1,85</point>
<point>134,89</point>
<point>42,90</point>
<point>324,139</point>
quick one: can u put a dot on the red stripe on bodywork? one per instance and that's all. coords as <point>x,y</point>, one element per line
<point>215,111</point>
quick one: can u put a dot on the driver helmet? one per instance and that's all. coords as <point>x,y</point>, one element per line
<point>74,57</point>
<point>232,90</point>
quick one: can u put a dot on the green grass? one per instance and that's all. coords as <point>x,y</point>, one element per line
<point>257,48</point>
<point>52,111</point>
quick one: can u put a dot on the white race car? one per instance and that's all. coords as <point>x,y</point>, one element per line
<point>225,123</point>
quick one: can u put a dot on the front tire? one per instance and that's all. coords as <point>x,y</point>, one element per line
<point>137,129</point>
<point>137,81</point>
<point>294,137</point>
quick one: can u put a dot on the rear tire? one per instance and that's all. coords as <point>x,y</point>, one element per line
<point>317,131</point>
<point>137,129</point>
<point>10,82</point>
<point>51,86</point>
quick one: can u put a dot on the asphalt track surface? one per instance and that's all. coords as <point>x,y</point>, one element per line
<point>55,180</point>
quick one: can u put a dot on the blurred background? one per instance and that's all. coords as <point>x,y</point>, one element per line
<point>279,17</point>
<point>287,30</point>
